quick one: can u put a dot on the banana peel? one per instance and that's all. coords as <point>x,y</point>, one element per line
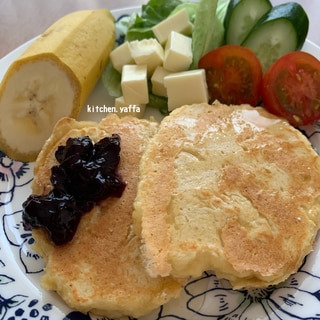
<point>52,79</point>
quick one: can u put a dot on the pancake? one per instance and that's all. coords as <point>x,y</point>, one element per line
<point>101,270</point>
<point>231,189</point>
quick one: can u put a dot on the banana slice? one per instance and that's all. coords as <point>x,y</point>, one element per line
<point>52,79</point>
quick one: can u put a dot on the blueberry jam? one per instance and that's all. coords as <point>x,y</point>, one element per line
<point>85,175</point>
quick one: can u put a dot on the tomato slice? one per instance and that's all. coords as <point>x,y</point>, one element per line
<point>291,88</point>
<point>233,74</point>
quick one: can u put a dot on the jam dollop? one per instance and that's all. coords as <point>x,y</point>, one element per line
<point>85,174</point>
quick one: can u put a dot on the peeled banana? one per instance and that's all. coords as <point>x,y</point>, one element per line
<point>53,79</point>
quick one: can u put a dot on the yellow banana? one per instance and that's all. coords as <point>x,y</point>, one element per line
<point>52,79</point>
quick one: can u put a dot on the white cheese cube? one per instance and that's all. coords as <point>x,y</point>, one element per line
<point>157,81</point>
<point>124,109</point>
<point>178,52</point>
<point>186,88</point>
<point>120,56</point>
<point>147,52</point>
<point>134,84</point>
<point>178,22</point>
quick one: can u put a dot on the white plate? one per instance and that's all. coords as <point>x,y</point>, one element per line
<point>21,296</point>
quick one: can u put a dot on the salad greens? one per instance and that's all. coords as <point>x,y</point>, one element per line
<point>208,33</point>
<point>151,14</point>
<point>111,79</point>
<point>190,7</point>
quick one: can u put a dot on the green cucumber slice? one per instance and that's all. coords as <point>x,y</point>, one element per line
<point>282,30</point>
<point>241,16</point>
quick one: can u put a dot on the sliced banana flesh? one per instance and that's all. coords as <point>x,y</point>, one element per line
<point>36,96</point>
<point>53,78</point>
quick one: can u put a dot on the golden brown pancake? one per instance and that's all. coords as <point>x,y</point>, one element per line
<point>101,270</point>
<point>231,189</point>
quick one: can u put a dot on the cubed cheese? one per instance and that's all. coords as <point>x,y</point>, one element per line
<point>147,52</point>
<point>120,56</point>
<point>125,109</point>
<point>186,88</point>
<point>134,84</point>
<point>178,22</point>
<point>157,79</point>
<point>178,52</point>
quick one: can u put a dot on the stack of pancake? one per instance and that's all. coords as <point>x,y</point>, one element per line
<point>231,189</point>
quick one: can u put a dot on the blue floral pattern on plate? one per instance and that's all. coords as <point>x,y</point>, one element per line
<point>207,297</point>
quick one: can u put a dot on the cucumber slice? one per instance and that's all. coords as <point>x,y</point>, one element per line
<point>282,30</point>
<point>241,16</point>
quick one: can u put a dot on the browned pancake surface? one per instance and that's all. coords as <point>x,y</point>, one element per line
<point>230,189</point>
<point>101,269</point>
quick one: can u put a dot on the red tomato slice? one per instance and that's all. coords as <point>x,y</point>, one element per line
<point>234,75</point>
<point>291,88</point>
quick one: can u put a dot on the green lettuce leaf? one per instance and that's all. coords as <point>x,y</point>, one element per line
<point>151,14</point>
<point>190,7</point>
<point>208,31</point>
<point>111,80</point>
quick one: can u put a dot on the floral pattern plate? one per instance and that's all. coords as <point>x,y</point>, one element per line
<point>21,296</point>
